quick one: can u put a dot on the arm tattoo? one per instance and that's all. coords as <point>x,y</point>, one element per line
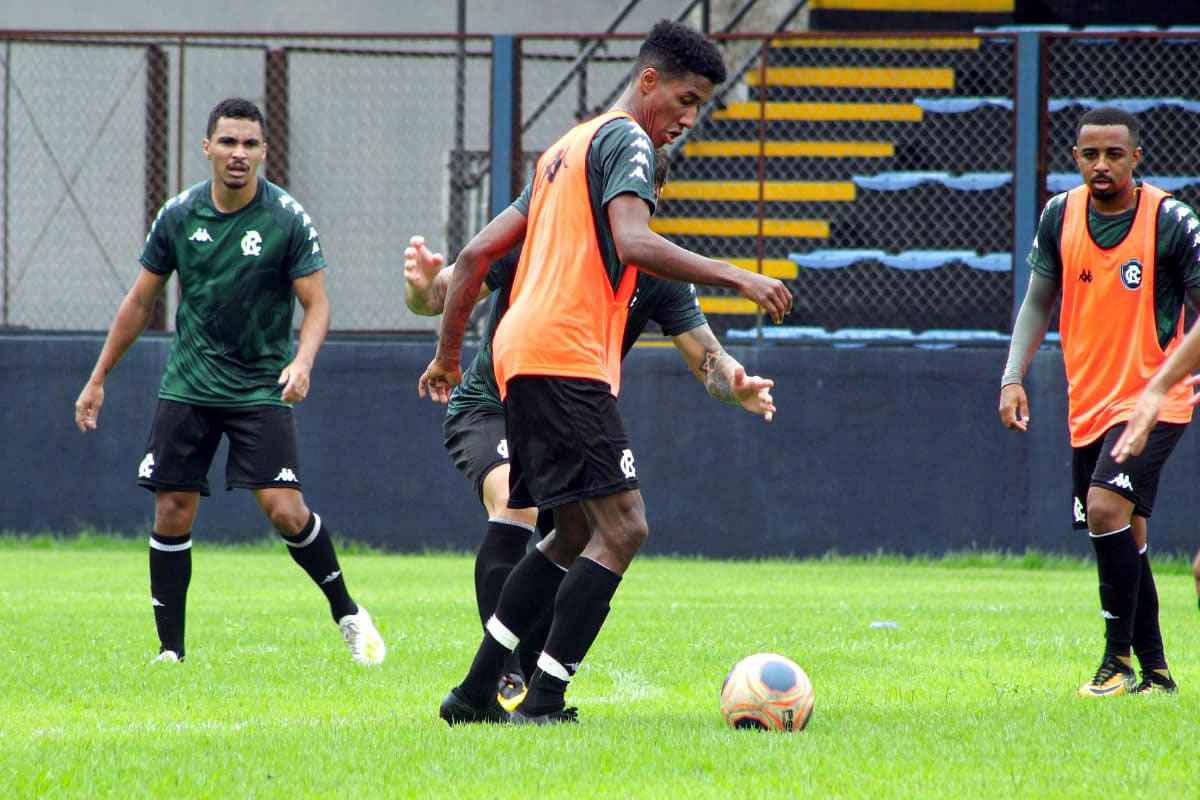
<point>717,380</point>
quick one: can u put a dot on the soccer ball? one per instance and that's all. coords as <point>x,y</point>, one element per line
<point>767,691</point>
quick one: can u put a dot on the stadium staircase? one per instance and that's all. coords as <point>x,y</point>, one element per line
<point>886,194</point>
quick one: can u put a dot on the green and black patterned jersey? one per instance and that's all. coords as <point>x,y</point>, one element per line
<point>1177,252</point>
<point>670,304</point>
<point>234,322</point>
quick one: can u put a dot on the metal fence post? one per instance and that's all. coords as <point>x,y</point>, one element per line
<point>1027,160</point>
<point>505,122</point>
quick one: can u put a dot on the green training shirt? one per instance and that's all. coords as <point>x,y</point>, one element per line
<point>1176,256</point>
<point>234,322</point>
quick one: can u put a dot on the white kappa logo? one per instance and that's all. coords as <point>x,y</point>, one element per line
<point>201,235</point>
<point>502,448</point>
<point>146,468</point>
<point>252,244</point>
<point>286,474</point>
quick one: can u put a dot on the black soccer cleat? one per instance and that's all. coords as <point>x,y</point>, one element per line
<point>456,710</point>
<point>1156,683</point>
<point>556,717</point>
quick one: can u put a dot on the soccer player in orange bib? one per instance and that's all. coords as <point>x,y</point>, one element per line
<point>1123,255</point>
<point>557,357</point>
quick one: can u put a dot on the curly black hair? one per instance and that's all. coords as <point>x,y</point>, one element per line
<point>1111,115</point>
<point>235,108</point>
<point>676,50</point>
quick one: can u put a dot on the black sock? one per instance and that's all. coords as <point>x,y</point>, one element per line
<point>530,587</point>
<point>502,547</point>
<point>1120,569</point>
<point>580,608</point>
<point>1147,636</point>
<point>170,574</point>
<point>312,549</point>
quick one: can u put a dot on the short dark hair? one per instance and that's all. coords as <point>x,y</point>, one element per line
<point>235,108</point>
<point>1111,115</point>
<point>676,50</point>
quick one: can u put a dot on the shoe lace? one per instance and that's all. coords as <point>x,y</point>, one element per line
<point>1108,668</point>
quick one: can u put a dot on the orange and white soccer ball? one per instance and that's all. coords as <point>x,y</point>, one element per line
<point>767,691</point>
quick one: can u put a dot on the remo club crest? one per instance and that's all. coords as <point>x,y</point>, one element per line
<point>1131,274</point>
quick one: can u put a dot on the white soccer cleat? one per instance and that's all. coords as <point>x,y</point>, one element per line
<point>365,643</point>
<point>166,657</point>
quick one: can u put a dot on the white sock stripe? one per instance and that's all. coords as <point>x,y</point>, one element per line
<point>169,548</point>
<point>501,633</point>
<point>549,664</point>
<point>1110,533</point>
<point>311,537</point>
<point>514,523</point>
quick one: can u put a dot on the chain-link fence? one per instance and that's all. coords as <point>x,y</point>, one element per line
<point>873,174</point>
<point>370,134</point>
<point>1153,76</point>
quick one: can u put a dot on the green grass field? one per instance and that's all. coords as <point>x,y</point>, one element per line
<point>972,695</point>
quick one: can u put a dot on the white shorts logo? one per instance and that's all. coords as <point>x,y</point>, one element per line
<point>502,448</point>
<point>627,464</point>
<point>1080,515</point>
<point>146,468</point>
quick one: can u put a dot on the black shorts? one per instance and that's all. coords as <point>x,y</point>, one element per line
<point>262,447</point>
<point>1135,480</point>
<point>476,442</point>
<point>566,442</point>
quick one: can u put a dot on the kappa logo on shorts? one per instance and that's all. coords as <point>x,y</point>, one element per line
<point>146,468</point>
<point>502,448</point>
<point>1080,515</point>
<point>286,474</point>
<point>1122,482</point>
<point>627,464</point>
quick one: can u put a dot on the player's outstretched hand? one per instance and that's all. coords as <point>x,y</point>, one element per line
<point>770,293</point>
<point>754,393</point>
<point>421,264</point>
<point>87,407</point>
<point>1014,407</point>
<point>438,381</point>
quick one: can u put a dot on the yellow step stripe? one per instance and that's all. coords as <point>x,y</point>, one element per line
<point>792,149</point>
<point>748,190</point>
<point>653,340</point>
<point>857,77</point>
<point>727,305</point>
<point>901,112</point>
<point>883,42</point>
<point>707,226</point>
<point>958,6</point>
<point>774,267</point>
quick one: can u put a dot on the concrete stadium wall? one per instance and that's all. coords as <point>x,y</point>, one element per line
<point>889,449</point>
